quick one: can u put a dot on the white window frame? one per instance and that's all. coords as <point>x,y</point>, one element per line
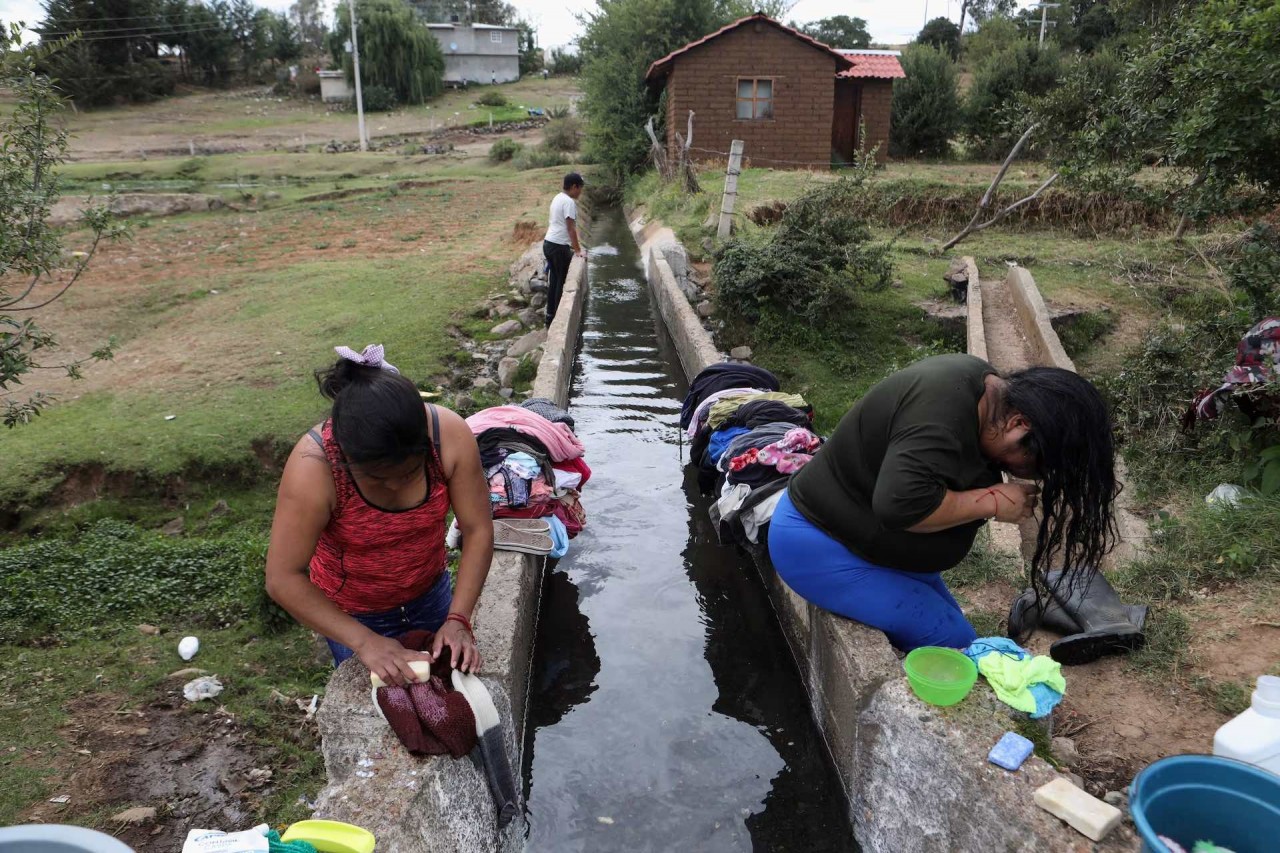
<point>495,36</point>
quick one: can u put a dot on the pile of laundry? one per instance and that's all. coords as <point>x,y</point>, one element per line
<point>535,470</point>
<point>748,437</point>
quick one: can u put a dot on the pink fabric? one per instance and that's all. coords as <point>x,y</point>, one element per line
<point>559,440</point>
<point>784,460</point>
<point>704,408</point>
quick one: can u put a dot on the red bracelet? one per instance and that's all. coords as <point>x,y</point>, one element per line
<point>461,620</point>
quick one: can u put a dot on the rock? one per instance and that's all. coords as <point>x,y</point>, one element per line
<point>527,343</point>
<point>741,353</point>
<point>530,317</point>
<point>1064,749</point>
<point>536,356</point>
<point>506,393</point>
<point>518,298</point>
<point>506,328</point>
<point>149,630</point>
<point>538,300</point>
<point>1117,799</point>
<point>174,528</point>
<point>706,309</point>
<point>1076,779</point>
<point>507,369</point>
<point>482,309</point>
<point>483,383</point>
<point>220,509</point>
<point>464,402</point>
<point>708,245</point>
<point>137,814</point>
<point>188,672</point>
<point>501,310</point>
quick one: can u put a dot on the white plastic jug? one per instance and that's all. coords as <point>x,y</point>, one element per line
<point>1254,736</point>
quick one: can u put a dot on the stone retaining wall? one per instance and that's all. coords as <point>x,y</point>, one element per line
<point>916,777</point>
<point>438,805</point>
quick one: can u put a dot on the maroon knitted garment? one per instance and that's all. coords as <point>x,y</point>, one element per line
<point>429,717</point>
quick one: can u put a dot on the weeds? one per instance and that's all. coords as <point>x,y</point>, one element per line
<point>1167,634</point>
<point>504,150</point>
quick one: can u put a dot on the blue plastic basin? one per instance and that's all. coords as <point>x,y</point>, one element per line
<point>1190,798</point>
<point>54,838</point>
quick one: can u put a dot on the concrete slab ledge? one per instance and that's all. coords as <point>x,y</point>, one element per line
<point>438,805</point>
<point>915,777</point>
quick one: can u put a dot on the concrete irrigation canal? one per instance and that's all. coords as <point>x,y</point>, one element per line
<point>666,712</point>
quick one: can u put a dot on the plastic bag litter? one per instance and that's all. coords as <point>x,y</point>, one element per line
<point>187,647</point>
<point>216,841</point>
<point>204,687</point>
<point>1225,496</point>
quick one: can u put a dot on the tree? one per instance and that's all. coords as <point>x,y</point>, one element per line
<point>839,31</point>
<point>531,60</point>
<point>732,10</point>
<point>622,38</point>
<point>396,49</point>
<point>1200,97</point>
<point>991,38</point>
<point>926,104</point>
<point>495,12</point>
<point>565,61</point>
<point>983,10</point>
<point>308,17</point>
<point>942,34</point>
<point>110,63</point>
<point>33,269</point>
<point>282,42</point>
<point>996,108</point>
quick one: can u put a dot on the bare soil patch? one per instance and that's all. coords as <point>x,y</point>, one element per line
<point>194,766</point>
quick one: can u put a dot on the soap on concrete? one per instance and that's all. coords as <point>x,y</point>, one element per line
<point>1082,811</point>
<point>1010,751</point>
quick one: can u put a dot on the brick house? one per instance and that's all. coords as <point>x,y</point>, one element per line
<point>792,100</point>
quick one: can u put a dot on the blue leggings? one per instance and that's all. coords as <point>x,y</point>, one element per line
<point>427,612</point>
<point>913,608</point>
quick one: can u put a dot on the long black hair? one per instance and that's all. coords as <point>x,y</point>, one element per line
<point>378,416</point>
<point>1071,439</point>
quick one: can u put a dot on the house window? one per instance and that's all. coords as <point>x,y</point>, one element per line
<point>755,99</point>
<point>495,36</point>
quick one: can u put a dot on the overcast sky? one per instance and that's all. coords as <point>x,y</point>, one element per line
<point>557,24</point>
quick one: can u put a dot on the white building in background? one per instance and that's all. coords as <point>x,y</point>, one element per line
<point>478,53</point>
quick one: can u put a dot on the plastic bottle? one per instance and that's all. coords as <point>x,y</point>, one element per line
<point>1254,736</point>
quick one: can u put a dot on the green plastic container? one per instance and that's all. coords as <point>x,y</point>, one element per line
<point>940,676</point>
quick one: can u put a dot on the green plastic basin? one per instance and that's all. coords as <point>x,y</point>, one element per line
<point>940,676</point>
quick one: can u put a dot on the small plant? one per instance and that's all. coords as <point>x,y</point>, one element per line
<point>538,158</point>
<point>559,111</point>
<point>493,98</point>
<point>320,246</point>
<point>503,150</point>
<point>563,134</point>
<point>378,99</point>
<point>349,243</point>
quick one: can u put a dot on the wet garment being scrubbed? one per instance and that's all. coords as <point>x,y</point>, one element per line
<point>1023,681</point>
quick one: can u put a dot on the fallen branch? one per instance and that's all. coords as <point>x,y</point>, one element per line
<point>659,154</point>
<point>976,224</point>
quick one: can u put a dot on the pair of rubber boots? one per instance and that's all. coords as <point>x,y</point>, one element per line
<point>1086,610</point>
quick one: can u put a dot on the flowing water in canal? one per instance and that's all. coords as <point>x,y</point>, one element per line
<point>666,712</point>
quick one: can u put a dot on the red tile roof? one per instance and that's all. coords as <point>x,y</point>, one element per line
<point>662,65</point>
<point>878,64</point>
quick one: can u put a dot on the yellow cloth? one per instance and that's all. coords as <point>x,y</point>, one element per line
<point>1012,679</point>
<point>722,410</point>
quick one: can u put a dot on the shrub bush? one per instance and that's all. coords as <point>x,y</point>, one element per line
<point>812,265</point>
<point>565,61</point>
<point>503,150</point>
<point>538,157</point>
<point>943,34</point>
<point>559,111</point>
<point>493,98</point>
<point>377,99</point>
<point>563,134</point>
<point>926,105</point>
<point>1024,70</point>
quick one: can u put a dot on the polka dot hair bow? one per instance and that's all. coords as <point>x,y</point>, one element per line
<point>371,356</point>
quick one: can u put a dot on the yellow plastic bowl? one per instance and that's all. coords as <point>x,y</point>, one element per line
<point>331,836</point>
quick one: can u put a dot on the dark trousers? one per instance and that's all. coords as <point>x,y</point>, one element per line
<point>558,256</point>
<point>427,612</point>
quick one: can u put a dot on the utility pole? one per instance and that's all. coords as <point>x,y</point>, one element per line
<point>1044,18</point>
<point>355,58</point>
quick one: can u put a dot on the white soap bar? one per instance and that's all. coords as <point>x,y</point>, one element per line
<point>1082,811</point>
<point>421,671</point>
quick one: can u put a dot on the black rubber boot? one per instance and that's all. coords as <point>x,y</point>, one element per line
<point>1105,626</point>
<point>1026,615</point>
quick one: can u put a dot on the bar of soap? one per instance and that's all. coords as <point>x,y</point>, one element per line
<point>1010,751</point>
<point>421,669</point>
<point>1082,811</point>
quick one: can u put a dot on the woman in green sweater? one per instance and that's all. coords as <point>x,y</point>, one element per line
<point>913,470</point>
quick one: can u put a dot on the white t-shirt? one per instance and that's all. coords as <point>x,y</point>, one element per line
<point>562,208</point>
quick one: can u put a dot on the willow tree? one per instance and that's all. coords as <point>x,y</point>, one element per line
<point>396,49</point>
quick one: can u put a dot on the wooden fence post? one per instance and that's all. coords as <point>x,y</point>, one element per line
<point>730,189</point>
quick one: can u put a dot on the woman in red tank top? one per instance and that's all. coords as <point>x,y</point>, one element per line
<point>357,546</point>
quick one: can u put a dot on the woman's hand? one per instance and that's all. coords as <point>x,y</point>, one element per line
<point>389,660</point>
<point>462,646</point>
<point>1014,501</point>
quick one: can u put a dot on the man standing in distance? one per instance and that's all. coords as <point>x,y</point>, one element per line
<point>561,242</point>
